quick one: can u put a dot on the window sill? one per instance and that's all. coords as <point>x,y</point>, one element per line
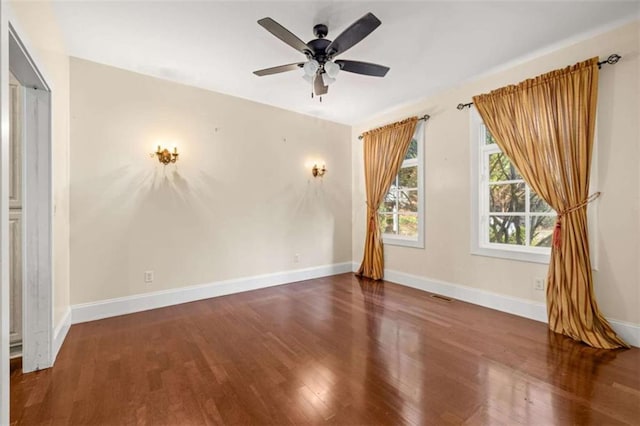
<point>402,242</point>
<point>512,255</point>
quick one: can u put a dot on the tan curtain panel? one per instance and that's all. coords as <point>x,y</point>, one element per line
<point>545,126</point>
<point>384,151</point>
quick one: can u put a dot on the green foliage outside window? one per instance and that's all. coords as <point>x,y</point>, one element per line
<point>398,212</point>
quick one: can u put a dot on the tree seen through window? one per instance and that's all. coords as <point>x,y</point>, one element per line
<point>516,215</point>
<point>398,213</point>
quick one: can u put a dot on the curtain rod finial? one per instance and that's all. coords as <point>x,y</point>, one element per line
<point>611,60</point>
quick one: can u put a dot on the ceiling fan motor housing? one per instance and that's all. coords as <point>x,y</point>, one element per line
<point>320,30</point>
<point>319,52</point>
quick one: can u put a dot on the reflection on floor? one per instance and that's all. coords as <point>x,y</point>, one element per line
<point>334,350</point>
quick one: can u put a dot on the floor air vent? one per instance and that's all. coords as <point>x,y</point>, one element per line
<point>443,298</point>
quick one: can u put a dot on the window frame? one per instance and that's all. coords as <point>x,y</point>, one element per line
<point>480,244</point>
<point>402,240</point>
<point>484,203</point>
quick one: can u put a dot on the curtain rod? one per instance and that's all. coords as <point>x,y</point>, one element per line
<point>611,60</point>
<point>424,117</point>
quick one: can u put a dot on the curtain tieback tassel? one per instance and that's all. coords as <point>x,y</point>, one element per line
<point>558,228</point>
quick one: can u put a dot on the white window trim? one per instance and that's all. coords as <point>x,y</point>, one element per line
<point>404,241</point>
<point>524,254</point>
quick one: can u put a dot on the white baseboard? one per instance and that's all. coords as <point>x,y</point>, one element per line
<point>630,332</point>
<point>59,334</point>
<point>159,299</point>
<point>141,302</point>
<point>513,305</point>
<point>522,307</point>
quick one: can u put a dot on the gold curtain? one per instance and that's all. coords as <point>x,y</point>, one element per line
<point>545,126</point>
<point>384,151</point>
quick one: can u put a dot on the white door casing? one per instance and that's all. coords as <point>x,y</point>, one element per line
<point>37,216</point>
<point>37,211</point>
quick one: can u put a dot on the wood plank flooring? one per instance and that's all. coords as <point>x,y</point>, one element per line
<point>334,351</point>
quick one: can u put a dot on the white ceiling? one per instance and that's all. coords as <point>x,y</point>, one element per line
<point>428,45</point>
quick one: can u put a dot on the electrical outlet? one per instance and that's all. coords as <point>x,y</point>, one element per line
<point>538,284</point>
<point>148,276</point>
<point>296,258</point>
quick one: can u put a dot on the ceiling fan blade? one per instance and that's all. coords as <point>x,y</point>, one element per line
<point>284,34</point>
<point>365,68</point>
<point>318,86</point>
<point>353,35</point>
<point>279,69</point>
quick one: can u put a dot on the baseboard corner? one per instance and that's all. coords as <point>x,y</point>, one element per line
<point>60,333</point>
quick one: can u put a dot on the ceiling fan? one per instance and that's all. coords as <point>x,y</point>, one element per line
<point>320,69</point>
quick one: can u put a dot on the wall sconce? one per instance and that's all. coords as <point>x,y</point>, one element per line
<point>165,156</point>
<point>315,171</point>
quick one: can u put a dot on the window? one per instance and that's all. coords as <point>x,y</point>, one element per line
<point>400,214</point>
<point>510,220</point>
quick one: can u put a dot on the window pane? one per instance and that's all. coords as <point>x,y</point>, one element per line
<point>507,198</point>
<point>537,204</point>
<point>408,225</point>
<point>389,203</point>
<point>507,230</point>
<point>500,168</point>
<point>388,223</point>
<point>412,152</point>
<point>408,201</point>
<point>387,207</point>
<point>408,177</point>
<point>398,212</point>
<point>542,230</point>
<point>488,138</point>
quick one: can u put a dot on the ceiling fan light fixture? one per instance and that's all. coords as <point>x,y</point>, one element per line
<point>318,67</point>
<point>311,67</point>
<point>327,80</point>
<point>331,69</point>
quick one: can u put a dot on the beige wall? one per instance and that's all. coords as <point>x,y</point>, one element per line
<point>240,201</point>
<point>446,255</point>
<point>129,214</point>
<point>37,27</point>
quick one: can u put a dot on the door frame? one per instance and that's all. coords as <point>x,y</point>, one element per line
<point>37,187</point>
<point>37,210</point>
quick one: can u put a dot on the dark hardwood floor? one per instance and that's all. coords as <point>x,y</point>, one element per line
<point>334,350</point>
